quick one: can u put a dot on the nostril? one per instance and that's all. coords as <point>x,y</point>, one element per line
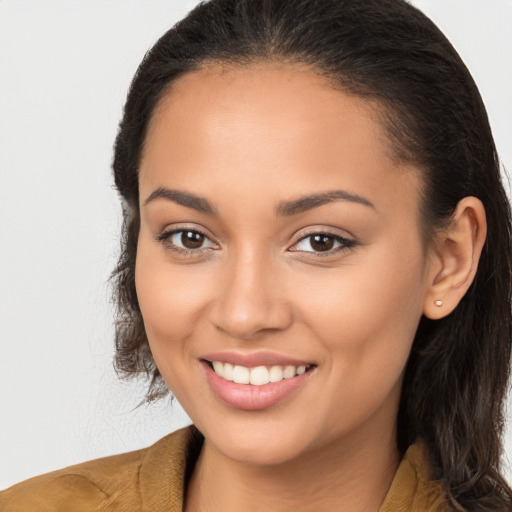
<point>246,320</point>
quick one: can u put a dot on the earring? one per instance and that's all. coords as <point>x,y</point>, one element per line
<point>438,303</point>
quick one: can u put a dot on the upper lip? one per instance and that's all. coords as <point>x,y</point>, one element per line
<point>251,360</point>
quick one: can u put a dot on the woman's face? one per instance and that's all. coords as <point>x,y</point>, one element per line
<point>277,233</point>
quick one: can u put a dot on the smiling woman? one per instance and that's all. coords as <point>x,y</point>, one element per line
<point>296,296</point>
<point>316,263</point>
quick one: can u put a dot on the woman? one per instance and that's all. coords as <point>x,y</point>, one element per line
<point>316,264</point>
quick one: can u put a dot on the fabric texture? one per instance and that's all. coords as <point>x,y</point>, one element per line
<point>153,480</point>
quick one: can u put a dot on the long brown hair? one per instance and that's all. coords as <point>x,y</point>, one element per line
<point>388,51</point>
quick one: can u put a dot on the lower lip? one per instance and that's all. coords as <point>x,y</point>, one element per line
<point>249,397</point>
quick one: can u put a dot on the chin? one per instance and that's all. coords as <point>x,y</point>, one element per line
<point>263,450</point>
<point>260,441</point>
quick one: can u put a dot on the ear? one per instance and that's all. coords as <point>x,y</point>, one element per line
<point>454,258</point>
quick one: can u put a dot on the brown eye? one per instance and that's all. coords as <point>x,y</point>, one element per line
<point>186,240</point>
<point>192,239</point>
<point>322,242</point>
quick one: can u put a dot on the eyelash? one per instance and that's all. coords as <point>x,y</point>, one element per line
<point>164,239</point>
<point>345,243</point>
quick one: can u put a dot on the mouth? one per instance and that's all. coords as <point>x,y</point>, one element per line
<point>259,375</point>
<point>252,387</point>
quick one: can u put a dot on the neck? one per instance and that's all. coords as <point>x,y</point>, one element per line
<point>356,473</point>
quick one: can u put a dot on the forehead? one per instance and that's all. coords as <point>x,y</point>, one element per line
<point>279,101</point>
<point>268,129</point>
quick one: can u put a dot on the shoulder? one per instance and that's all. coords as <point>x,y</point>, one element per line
<point>413,489</point>
<point>117,482</point>
<point>80,487</point>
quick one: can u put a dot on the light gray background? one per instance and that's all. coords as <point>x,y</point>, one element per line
<point>64,71</point>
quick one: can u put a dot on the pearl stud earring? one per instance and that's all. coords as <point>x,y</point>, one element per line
<point>438,303</point>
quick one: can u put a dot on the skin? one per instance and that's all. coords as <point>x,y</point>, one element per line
<point>247,140</point>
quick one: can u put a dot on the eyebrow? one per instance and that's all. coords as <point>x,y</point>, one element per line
<point>183,198</point>
<point>285,208</point>
<point>305,203</point>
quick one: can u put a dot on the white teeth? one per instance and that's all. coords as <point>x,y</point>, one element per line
<point>219,368</point>
<point>241,374</point>
<point>228,371</point>
<point>289,372</point>
<point>276,374</point>
<point>258,376</point>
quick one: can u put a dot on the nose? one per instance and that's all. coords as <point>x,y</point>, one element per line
<point>251,299</point>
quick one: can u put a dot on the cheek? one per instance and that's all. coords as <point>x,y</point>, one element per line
<point>367,314</point>
<point>170,300</point>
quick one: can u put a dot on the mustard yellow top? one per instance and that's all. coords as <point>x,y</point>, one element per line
<point>153,480</point>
